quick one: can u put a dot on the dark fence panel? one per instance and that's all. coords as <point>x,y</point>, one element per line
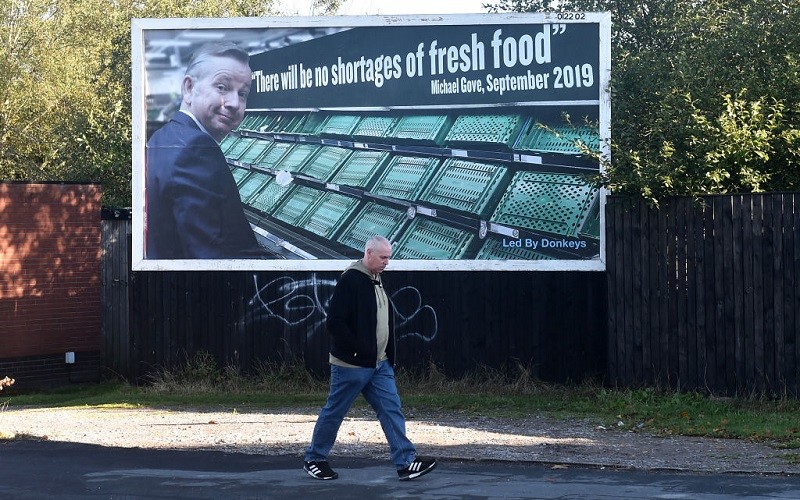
<point>697,296</point>
<point>115,271</point>
<point>554,323</point>
<point>702,295</point>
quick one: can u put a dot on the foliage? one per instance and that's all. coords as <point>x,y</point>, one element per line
<point>320,8</point>
<point>705,95</point>
<point>65,94</point>
<point>200,374</point>
<point>693,414</point>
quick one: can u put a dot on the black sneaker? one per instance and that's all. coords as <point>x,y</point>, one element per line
<point>320,470</point>
<point>419,467</point>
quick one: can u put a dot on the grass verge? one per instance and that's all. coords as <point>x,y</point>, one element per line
<point>484,393</point>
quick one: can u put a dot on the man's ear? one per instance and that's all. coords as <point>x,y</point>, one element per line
<point>186,88</point>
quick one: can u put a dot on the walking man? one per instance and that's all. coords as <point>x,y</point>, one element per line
<point>361,327</point>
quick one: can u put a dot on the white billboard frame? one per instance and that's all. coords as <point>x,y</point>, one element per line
<point>139,118</point>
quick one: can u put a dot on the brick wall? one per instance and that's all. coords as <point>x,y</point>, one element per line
<point>49,282</point>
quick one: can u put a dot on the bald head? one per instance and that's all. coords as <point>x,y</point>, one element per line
<point>377,253</point>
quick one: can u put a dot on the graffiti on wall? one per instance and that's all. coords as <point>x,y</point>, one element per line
<point>303,304</point>
<point>414,317</point>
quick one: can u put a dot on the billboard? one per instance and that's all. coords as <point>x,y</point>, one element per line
<point>469,141</point>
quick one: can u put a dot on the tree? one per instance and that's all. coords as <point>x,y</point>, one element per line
<point>65,91</point>
<point>705,94</point>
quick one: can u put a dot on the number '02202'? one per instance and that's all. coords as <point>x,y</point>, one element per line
<point>571,16</point>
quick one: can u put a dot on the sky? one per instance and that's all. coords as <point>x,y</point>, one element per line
<point>361,7</point>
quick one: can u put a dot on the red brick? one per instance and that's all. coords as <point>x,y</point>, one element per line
<point>51,252</point>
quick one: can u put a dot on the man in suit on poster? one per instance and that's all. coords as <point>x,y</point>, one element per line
<point>192,208</point>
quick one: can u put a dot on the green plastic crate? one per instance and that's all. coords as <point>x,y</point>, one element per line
<point>374,127</point>
<point>296,157</point>
<point>498,131</point>
<point>246,121</point>
<point>339,125</point>
<point>274,154</point>
<point>360,168</point>
<point>548,202</point>
<point>405,177</point>
<point>431,240</point>
<point>329,214</point>
<point>311,124</point>
<point>291,123</point>
<point>493,249</point>
<point>250,122</point>
<point>227,142</point>
<point>373,219</point>
<point>237,149</point>
<point>268,197</point>
<point>467,186</point>
<point>296,203</point>
<point>255,151</point>
<point>276,123</point>
<point>239,173</point>
<point>425,130</point>
<point>591,228</point>
<point>252,184</point>
<point>266,122</point>
<point>563,139</point>
<point>325,162</point>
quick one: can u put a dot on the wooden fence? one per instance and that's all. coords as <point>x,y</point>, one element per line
<point>702,294</point>
<point>547,322</point>
<point>552,323</point>
<point>698,295</point>
<point>115,274</point>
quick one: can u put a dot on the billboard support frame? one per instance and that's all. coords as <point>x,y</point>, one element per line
<point>142,28</point>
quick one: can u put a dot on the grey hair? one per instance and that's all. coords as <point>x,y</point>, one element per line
<point>216,49</point>
<point>376,241</point>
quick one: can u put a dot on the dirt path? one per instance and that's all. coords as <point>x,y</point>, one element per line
<point>286,432</point>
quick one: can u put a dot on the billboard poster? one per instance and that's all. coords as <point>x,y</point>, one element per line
<point>469,141</point>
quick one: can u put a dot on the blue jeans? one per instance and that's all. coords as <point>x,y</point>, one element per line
<point>379,389</point>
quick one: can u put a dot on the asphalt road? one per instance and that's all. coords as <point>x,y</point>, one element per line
<point>45,469</point>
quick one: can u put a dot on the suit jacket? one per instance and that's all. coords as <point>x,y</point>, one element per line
<point>193,207</point>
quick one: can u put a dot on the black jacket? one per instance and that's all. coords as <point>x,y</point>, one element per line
<point>352,316</point>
